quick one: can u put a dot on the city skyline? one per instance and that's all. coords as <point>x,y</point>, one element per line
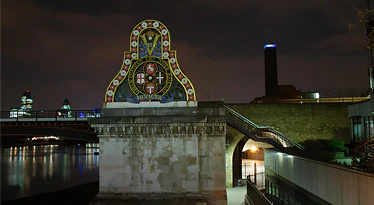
<point>65,50</point>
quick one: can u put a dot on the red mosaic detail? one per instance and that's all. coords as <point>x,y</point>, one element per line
<point>133,49</point>
<point>109,99</point>
<point>128,56</point>
<point>190,97</point>
<point>180,76</point>
<point>160,28</point>
<point>188,86</point>
<point>150,87</point>
<point>150,68</point>
<point>174,66</point>
<point>166,37</point>
<point>150,23</point>
<point>139,28</point>
<point>171,55</point>
<point>112,87</point>
<point>133,38</point>
<point>120,77</point>
<point>166,48</point>
<point>125,67</point>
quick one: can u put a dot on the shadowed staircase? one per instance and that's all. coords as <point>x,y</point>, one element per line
<point>260,133</point>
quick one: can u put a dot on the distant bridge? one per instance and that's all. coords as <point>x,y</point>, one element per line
<point>64,124</point>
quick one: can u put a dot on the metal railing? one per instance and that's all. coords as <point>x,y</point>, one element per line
<point>254,196</point>
<point>48,115</point>
<point>261,131</point>
<point>241,120</point>
<point>257,178</point>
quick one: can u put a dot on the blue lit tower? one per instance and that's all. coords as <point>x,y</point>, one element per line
<point>271,73</point>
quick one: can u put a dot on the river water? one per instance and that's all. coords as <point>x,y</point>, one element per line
<point>32,170</point>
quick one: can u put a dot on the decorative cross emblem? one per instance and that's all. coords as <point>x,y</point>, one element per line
<point>140,78</point>
<point>160,78</point>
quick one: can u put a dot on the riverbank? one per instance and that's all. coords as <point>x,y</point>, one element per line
<point>85,194</point>
<point>82,195</point>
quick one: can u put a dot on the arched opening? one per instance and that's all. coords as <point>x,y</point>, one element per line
<point>248,159</point>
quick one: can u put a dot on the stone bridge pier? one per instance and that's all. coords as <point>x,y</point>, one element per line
<point>163,154</point>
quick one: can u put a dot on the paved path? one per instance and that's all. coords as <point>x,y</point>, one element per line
<point>235,196</point>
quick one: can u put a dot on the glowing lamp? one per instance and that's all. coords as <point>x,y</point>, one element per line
<point>270,46</point>
<point>253,148</point>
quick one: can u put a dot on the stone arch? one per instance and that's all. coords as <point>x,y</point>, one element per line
<point>237,160</point>
<point>233,137</point>
<point>235,142</point>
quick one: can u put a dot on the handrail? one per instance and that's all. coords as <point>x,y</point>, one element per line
<point>241,117</point>
<point>254,196</point>
<point>262,130</point>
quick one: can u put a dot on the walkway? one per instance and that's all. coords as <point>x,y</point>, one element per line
<point>235,196</point>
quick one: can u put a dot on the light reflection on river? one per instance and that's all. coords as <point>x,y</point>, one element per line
<point>28,171</point>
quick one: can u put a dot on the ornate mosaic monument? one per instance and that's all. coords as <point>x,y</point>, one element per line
<point>165,147</point>
<point>150,75</point>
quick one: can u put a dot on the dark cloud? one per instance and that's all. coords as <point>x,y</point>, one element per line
<point>72,49</point>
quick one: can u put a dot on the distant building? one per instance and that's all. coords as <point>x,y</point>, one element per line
<point>283,92</point>
<point>275,93</point>
<point>361,114</point>
<point>16,112</point>
<point>25,108</point>
<point>65,109</point>
<point>26,101</point>
<point>271,70</point>
<point>361,117</point>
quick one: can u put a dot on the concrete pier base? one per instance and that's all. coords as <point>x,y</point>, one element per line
<point>158,154</point>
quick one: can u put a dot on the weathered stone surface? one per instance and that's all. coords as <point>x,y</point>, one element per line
<point>163,152</point>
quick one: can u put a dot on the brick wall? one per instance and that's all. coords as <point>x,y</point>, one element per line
<point>301,121</point>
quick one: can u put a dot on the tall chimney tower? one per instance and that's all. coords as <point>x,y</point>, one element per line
<point>271,74</point>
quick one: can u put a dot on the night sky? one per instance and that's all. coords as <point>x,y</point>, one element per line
<point>72,49</point>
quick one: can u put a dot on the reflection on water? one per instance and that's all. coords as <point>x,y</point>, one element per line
<point>27,171</point>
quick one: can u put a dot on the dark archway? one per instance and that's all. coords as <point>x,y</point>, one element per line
<point>246,143</point>
<point>237,160</point>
